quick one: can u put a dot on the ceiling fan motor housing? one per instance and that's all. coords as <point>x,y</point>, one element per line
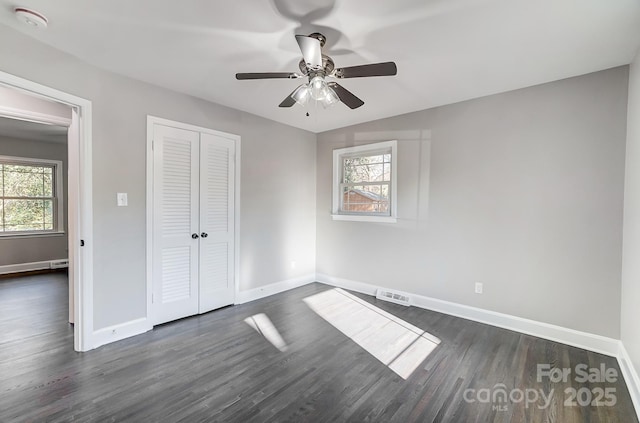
<point>327,67</point>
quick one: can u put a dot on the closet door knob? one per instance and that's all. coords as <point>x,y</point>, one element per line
<point>194,236</point>
<point>204,234</point>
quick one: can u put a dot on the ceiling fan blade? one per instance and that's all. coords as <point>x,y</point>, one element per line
<point>311,51</point>
<point>287,102</point>
<point>291,99</point>
<point>267,75</point>
<point>373,69</point>
<point>346,96</point>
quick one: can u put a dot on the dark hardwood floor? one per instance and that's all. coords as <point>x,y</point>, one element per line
<point>217,367</point>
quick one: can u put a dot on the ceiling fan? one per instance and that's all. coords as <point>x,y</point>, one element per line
<point>317,66</point>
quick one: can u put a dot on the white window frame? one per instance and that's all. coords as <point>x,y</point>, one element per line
<point>58,206</point>
<point>365,150</point>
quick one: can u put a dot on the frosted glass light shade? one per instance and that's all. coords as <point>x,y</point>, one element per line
<point>318,88</point>
<point>330,98</point>
<point>301,94</point>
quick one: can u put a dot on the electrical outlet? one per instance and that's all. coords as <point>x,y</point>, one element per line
<point>122,199</point>
<point>478,287</point>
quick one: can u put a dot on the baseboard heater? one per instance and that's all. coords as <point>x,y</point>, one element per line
<point>59,264</point>
<point>393,297</point>
<point>30,267</point>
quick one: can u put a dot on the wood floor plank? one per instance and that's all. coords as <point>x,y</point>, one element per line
<point>216,367</point>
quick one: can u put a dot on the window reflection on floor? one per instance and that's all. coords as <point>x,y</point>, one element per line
<point>262,324</point>
<point>398,344</point>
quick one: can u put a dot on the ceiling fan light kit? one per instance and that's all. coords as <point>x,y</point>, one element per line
<point>317,67</point>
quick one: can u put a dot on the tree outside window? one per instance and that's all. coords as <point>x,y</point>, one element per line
<point>364,186</point>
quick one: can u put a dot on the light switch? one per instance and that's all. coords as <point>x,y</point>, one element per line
<point>122,199</point>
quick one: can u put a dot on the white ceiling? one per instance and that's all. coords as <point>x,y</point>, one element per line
<point>446,50</point>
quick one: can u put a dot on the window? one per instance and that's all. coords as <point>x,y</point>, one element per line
<point>364,182</point>
<point>30,196</point>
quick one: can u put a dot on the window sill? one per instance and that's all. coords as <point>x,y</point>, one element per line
<point>356,218</point>
<point>31,235</point>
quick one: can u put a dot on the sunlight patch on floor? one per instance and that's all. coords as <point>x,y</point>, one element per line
<point>398,344</point>
<point>262,324</point>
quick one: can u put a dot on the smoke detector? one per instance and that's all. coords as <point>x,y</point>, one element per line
<point>31,17</point>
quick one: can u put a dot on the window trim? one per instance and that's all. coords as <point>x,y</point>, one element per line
<point>58,183</point>
<point>361,150</point>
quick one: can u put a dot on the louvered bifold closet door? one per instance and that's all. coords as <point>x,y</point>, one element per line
<point>175,223</point>
<point>217,172</point>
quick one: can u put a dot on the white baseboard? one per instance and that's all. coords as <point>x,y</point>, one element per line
<point>630,376</point>
<point>273,288</point>
<point>584,340</point>
<point>26,267</point>
<point>135,327</point>
<point>121,331</point>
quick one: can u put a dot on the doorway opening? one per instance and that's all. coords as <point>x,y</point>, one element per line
<point>31,106</point>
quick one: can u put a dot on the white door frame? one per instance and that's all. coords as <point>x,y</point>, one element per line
<point>80,207</point>
<point>152,120</point>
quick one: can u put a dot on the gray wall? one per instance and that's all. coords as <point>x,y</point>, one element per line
<point>631,247</point>
<point>522,191</point>
<point>120,109</point>
<point>278,202</point>
<point>42,248</point>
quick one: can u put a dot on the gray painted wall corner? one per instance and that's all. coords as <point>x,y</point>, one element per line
<point>630,311</point>
<point>522,191</point>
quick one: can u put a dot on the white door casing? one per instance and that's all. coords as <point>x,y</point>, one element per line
<point>175,223</point>
<point>73,215</point>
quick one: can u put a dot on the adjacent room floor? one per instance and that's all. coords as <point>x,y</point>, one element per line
<point>315,354</point>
